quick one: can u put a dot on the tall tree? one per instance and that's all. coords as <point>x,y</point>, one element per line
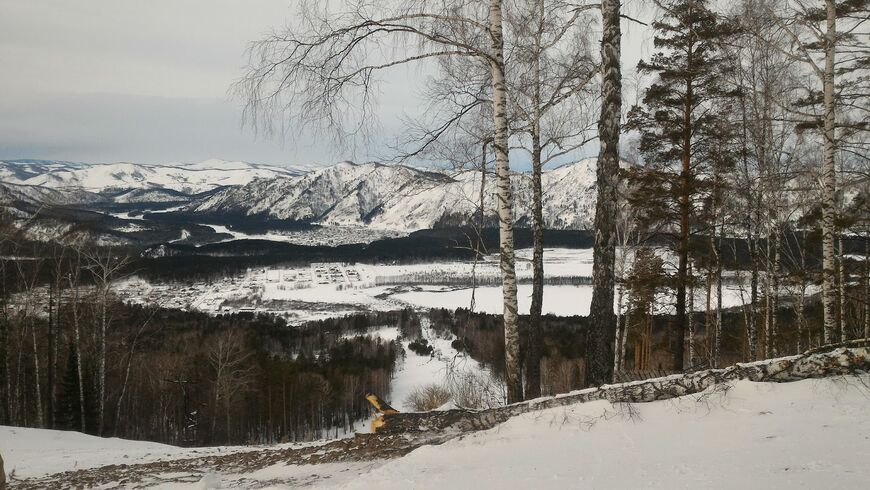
<point>552,71</point>
<point>602,326</point>
<point>310,76</point>
<point>105,266</point>
<point>507,261</point>
<point>812,27</point>
<point>678,117</point>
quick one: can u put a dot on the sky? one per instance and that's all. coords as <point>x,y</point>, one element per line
<point>147,82</point>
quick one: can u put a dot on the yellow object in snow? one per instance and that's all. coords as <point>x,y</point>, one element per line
<point>382,407</point>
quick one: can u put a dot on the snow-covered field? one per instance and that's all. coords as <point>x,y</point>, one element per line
<point>806,434</point>
<point>318,291</point>
<point>322,235</point>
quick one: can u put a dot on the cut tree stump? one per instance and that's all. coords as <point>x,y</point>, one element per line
<point>834,360</point>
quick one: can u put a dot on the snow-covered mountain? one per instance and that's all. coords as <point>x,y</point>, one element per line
<point>188,178</point>
<point>39,195</point>
<point>403,198</point>
<point>377,196</point>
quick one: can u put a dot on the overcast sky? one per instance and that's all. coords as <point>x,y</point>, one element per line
<point>146,81</point>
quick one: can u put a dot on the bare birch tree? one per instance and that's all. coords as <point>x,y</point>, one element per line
<point>324,77</point>
<point>104,265</point>
<point>815,38</point>
<point>552,73</point>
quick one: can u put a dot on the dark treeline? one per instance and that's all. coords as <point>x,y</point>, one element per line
<point>648,342</point>
<point>179,262</point>
<point>182,262</point>
<point>481,335</point>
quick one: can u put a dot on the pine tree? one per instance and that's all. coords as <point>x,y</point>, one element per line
<point>681,113</point>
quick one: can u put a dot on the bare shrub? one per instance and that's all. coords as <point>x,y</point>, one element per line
<point>427,398</point>
<point>475,390</point>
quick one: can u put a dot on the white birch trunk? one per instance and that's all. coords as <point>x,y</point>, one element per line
<point>504,199</point>
<point>829,179</point>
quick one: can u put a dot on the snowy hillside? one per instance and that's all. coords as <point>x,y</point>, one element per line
<point>403,198</point>
<point>190,178</point>
<point>372,195</point>
<point>38,195</point>
<point>805,434</point>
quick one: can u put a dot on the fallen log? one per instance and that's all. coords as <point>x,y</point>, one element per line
<point>835,360</point>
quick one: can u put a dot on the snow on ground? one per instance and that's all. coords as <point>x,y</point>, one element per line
<point>558,300</point>
<point>31,453</point>
<point>36,452</point>
<point>807,434</point>
<point>321,235</point>
<point>386,333</point>
<point>418,371</point>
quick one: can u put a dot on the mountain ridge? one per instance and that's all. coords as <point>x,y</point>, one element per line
<point>403,198</point>
<point>373,194</point>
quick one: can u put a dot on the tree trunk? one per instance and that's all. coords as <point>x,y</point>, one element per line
<point>481,223</point>
<point>684,210</point>
<point>751,230</point>
<point>829,180</point>
<point>767,296</point>
<point>620,331</point>
<point>690,317</point>
<point>841,280</point>
<point>78,346</point>
<point>867,287</point>
<point>533,352</point>
<point>717,339</point>
<point>51,356</point>
<point>801,319</point>
<point>102,380</point>
<point>40,421</point>
<point>602,330</point>
<point>774,322</point>
<point>504,193</point>
<point>708,315</point>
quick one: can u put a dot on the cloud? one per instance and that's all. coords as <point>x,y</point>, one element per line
<point>110,80</point>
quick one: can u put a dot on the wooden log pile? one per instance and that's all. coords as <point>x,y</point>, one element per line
<point>835,360</point>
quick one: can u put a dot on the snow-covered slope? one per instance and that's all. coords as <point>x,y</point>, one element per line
<point>190,178</point>
<point>39,195</point>
<point>34,452</point>
<point>805,434</point>
<point>403,198</point>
